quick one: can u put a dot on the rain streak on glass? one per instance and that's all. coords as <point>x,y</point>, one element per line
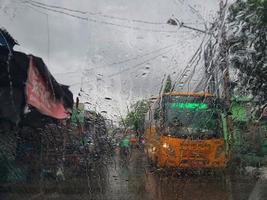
<point>133,100</point>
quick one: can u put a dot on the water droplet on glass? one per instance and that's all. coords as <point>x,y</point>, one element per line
<point>140,37</point>
<point>147,66</point>
<point>164,58</point>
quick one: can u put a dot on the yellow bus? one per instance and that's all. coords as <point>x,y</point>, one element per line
<point>184,131</point>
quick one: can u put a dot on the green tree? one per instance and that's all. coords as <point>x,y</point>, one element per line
<point>168,85</point>
<point>247,40</point>
<point>136,117</point>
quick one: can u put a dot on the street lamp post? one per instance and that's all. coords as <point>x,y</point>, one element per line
<point>176,22</point>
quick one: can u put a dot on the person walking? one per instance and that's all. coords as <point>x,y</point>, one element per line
<point>125,145</point>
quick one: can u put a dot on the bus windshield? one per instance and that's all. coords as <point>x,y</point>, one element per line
<point>192,116</point>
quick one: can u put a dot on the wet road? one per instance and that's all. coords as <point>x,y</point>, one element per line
<point>115,180</point>
<point>139,181</point>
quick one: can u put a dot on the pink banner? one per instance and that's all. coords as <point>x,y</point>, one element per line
<point>40,96</point>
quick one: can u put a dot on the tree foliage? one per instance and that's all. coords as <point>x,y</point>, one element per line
<point>247,41</point>
<point>136,117</point>
<point>168,85</point>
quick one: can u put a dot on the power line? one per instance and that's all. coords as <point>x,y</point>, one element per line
<point>57,11</point>
<point>36,10</point>
<point>131,59</point>
<point>53,6</point>
<point>132,27</point>
<point>129,68</point>
<point>189,64</point>
<point>101,21</point>
<point>127,19</point>
<point>127,60</point>
<point>95,13</point>
<point>139,64</point>
<point>143,55</point>
<point>111,16</point>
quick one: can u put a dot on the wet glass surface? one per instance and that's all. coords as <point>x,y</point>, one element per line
<point>137,180</point>
<point>133,99</point>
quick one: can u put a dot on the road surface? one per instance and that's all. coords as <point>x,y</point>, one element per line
<point>136,180</point>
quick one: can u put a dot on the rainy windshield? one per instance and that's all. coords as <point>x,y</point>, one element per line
<point>133,100</point>
<point>191,116</point>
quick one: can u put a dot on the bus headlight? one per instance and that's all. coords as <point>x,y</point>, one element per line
<point>165,145</point>
<point>168,149</point>
<point>219,151</point>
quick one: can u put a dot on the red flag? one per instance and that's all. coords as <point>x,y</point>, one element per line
<point>40,96</point>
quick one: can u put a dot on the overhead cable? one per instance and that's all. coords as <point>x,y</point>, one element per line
<point>53,6</point>
<point>132,67</point>
<point>135,58</point>
<point>189,64</point>
<point>127,19</point>
<point>143,55</point>
<point>95,13</point>
<point>57,11</point>
<point>139,64</point>
<point>101,21</point>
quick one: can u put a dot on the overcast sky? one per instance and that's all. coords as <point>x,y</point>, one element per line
<point>87,52</point>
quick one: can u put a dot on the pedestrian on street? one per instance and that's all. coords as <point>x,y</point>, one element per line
<point>125,146</point>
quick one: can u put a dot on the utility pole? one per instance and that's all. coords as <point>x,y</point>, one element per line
<point>224,66</point>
